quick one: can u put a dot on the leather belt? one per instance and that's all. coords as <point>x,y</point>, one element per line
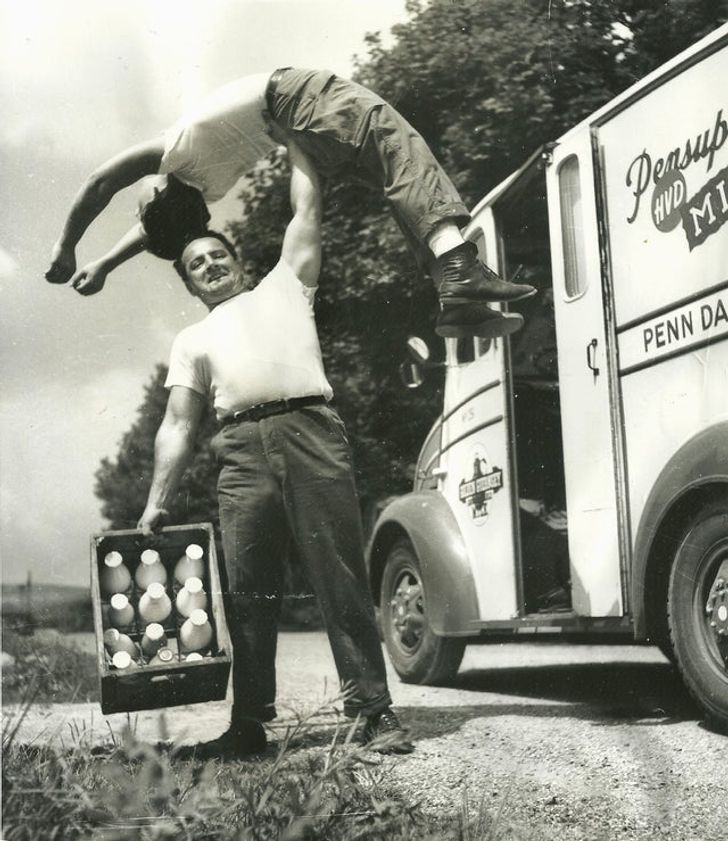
<point>274,407</point>
<point>271,87</point>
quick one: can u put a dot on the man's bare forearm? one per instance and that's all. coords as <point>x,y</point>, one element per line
<point>103,184</point>
<point>305,185</point>
<point>172,452</point>
<point>132,243</point>
<point>92,277</point>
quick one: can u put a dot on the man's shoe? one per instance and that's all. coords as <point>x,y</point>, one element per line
<point>455,321</point>
<point>461,277</point>
<point>241,740</point>
<point>384,734</point>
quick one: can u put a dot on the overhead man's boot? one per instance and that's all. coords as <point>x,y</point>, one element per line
<point>465,285</point>
<point>455,321</point>
<point>460,277</point>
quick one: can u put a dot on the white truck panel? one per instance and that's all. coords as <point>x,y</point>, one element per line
<point>666,186</point>
<point>667,231</point>
<point>666,405</point>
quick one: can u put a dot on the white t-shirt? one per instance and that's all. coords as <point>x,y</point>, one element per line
<point>258,346</point>
<point>220,139</point>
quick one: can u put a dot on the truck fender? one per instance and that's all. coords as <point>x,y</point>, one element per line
<point>694,474</point>
<point>427,520</point>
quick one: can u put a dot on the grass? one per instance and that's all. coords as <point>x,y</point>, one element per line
<point>47,669</point>
<point>136,791</point>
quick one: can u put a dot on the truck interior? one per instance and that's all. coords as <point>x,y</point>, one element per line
<point>523,234</point>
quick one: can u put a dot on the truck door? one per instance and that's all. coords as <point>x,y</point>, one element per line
<point>590,453</point>
<point>475,465</point>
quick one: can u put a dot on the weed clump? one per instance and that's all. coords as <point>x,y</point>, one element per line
<point>47,670</point>
<point>136,791</point>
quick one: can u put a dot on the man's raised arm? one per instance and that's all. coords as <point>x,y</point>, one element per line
<point>302,241</point>
<point>100,187</point>
<point>92,277</point>
<point>172,451</point>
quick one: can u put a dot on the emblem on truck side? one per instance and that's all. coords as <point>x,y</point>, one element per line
<point>484,484</point>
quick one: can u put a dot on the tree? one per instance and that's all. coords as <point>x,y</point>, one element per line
<point>485,83</point>
<point>123,485</point>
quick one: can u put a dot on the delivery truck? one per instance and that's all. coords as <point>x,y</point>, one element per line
<point>575,483</point>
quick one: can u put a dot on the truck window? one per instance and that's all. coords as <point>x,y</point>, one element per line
<point>482,346</point>
<point>465,350</point>
<point>572,227</point>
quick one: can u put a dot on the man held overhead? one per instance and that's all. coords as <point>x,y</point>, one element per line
<point>341,126</point>
<point>286,474</point>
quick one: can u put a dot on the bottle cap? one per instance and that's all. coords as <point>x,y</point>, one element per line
<point>113,559</point>
<point>111,635</point>
<point>154,631</point>
<point>155,590</point>
<point>193,584</point>
<point>193,656</point>
<point>119,601</point>
<point>194,552</point>
<point>121,660</point>
<point>166,655</point>
<point>150,556</point>
<point>198,616</point>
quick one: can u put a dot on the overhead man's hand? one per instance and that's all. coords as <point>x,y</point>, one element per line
<point>152,520</point>
<point>90,279</point>
<point>63,264</point>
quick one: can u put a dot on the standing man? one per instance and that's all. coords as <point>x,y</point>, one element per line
<point>286,472</point>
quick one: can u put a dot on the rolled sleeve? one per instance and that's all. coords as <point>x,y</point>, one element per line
<point>186,368</point>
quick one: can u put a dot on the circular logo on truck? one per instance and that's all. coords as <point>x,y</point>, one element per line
<point>480,485</point>
<point>668,196</point>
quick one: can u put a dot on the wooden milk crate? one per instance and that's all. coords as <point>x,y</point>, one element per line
<point>167,684</point>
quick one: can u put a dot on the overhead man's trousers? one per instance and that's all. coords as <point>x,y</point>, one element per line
<point>345,127</point>
<point>289,478</point>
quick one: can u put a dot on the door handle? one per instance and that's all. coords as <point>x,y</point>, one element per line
<point>591,354</point>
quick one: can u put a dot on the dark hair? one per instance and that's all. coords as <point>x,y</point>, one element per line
<point>176,215</point>
<point>179,267</point>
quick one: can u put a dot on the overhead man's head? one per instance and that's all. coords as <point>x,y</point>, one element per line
<point>172,214</point>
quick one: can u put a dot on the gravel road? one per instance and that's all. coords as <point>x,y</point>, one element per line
<point>556,741</point>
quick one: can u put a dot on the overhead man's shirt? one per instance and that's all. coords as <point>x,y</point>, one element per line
<point>222,138</point>
<point>258,346</point>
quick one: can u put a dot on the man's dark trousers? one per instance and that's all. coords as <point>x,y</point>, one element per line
<point>346,128</point>
<point>289,477</point>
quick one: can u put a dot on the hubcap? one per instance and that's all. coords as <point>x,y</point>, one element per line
<point>407,611</point>
<point>716,606</point>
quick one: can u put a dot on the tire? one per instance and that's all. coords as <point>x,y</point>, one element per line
<point>417,653</point>
<point>700,653</point>
<point>667,651</point>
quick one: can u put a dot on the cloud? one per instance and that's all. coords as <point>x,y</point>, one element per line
<point>51,445</point>
<point>9,268</point>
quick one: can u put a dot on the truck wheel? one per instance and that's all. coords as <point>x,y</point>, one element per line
<point>667,651</point>
<point>417,653</point>
<point>698,611</point>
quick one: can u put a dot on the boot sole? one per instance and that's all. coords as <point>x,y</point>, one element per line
<point>518,297</point>
<point>484,297</point>
<point>491,328</point>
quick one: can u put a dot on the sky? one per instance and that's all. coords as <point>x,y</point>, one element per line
<point>80,81</point>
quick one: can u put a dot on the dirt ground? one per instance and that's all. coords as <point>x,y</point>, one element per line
<point>554,741</point>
